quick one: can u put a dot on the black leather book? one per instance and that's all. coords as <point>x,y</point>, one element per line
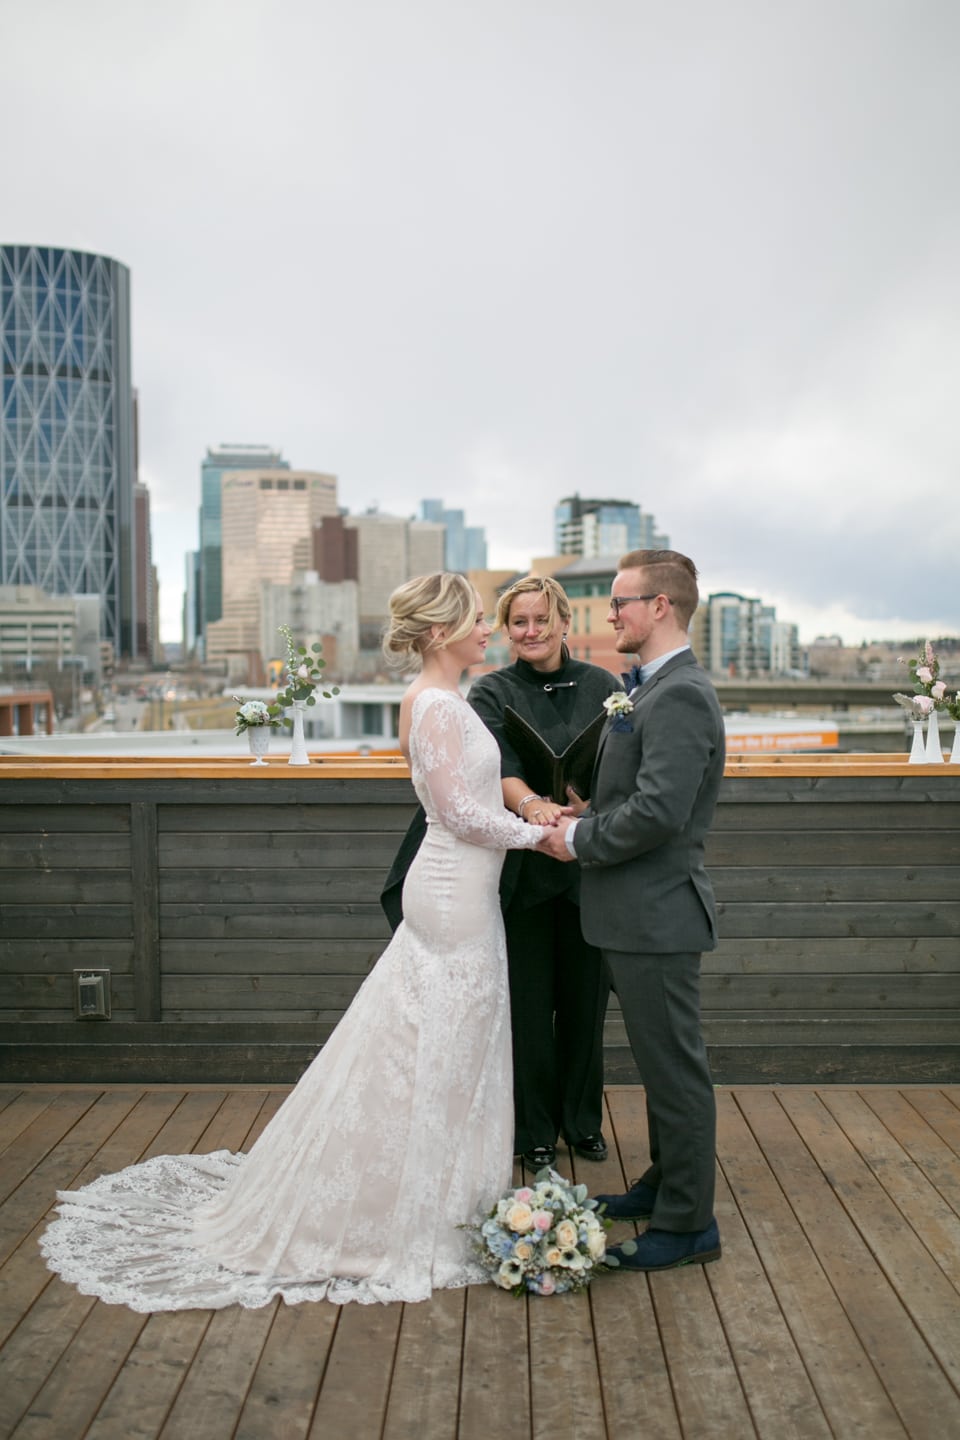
<point>543,769</point>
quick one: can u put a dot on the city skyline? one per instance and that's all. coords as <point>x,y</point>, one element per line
<point>700,258</point>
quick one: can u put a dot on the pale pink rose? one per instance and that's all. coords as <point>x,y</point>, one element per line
<point>542,1219</point>
<point>520,1218</point>
<point>924,674</point>
<point>547,1285</point>
<point>524,1193</point>
<point>923,703</point>
<point>939,690</point>
<point>523,1250</point>
<point>554,1256</point>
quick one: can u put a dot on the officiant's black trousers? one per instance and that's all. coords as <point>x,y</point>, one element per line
<point>660,999</point>
<point>558,999</point>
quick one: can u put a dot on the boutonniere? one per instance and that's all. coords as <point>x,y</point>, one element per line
<point>618,706</point>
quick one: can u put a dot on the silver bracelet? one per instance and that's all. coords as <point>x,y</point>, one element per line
<point>526,801</point>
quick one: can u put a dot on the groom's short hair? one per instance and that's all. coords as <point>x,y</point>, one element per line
<point>669,573</point>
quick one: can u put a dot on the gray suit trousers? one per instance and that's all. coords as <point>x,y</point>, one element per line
<point>660,999</point>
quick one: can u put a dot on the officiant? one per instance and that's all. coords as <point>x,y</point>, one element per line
<point>558,986</point>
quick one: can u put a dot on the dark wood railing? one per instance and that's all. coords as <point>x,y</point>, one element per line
<point>237,911</point>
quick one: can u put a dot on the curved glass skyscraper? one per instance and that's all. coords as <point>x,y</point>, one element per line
<point>66,430</point>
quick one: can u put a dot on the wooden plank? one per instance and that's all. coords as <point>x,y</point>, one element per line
<point>737,811</point>
<point>844,954</point>
<point>62,922</point>
<point>209,1401</point>
<point>280,1402</point>
<point>42,1136</point>
<point>847,882</point>
<point>277,849</point>
<point>23,818</point>
<point>20,1113</point>
<point>309,994</point>
<point>849,1390</point>
<point>248,957</point>
<point>495,1390</point>
<point>895,1166</point>
<point>706,1388</point>
<point>424,1398</point>
<point>942,1114</point>
<point>138,1402</point>
<point>51,996</point>
<point>271,887</point>
<point>928,1150</point>
<point>365,1343</point>
<point>789,848</point>
<point>44,852</point>
<point>64,887</point>
<point>912,1376</point>
<point>187,820</point>
<point>896,917</point>
<point>565,1393</point>
<point>145,910</point>
<point>920,1283</point>
<point>783,1402</point>
<point>51,956</point>
<point>268,922</point>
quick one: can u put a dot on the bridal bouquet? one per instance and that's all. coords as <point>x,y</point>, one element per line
<point>545,1238</point>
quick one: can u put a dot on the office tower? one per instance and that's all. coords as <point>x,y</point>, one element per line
<point>67,465</point>
<point>265,515</point>
<point>465,547</point>
<point>218,460</point>
<point>604,527</point>
<point>390,549</point>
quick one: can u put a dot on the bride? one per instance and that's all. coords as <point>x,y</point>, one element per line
<point>401,1129</point>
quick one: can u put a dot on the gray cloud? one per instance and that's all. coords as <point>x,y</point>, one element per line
<point>700,255</point>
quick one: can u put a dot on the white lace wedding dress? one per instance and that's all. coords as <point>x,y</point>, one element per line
<point>401,1129</point>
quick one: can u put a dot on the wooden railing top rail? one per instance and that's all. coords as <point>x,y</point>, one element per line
<point>390,765</point>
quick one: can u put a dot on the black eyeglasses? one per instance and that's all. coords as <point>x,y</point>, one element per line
<point>617,602</point>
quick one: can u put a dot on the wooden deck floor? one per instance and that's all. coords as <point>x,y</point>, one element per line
<point>835,1311</point>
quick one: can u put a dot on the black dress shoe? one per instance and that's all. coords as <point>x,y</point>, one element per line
<point>591,1147</point>
<point>538,1157</point>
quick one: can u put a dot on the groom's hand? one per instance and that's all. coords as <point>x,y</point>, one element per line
<point>553,842</point>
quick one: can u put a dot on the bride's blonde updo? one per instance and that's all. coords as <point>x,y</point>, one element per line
<point>445,600</point>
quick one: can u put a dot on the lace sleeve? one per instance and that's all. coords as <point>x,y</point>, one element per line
<point>438,745</point>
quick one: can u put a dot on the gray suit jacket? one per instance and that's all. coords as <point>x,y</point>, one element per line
<point>644,887</point>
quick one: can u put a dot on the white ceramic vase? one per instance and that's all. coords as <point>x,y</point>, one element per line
<point>298,750</point>
<point>955,752</point>
<point>934,755</point>
<point>259,737</point>
<point>918,752</point>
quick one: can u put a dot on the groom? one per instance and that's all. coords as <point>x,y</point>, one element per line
<point>647,902</point>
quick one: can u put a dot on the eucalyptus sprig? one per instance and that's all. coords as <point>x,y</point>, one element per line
<point>304,672</point>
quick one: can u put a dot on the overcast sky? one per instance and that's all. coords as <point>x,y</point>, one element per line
<point>701,254</point>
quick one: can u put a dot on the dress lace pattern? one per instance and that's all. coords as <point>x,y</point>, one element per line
<point>399,1131</point>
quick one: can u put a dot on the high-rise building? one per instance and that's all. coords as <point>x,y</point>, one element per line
<point>265,515</point>
<point>390,549</point>
<point>67,467</point>
<point>603,527</point>
<point>465,546</point>
<point>218,460</point>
